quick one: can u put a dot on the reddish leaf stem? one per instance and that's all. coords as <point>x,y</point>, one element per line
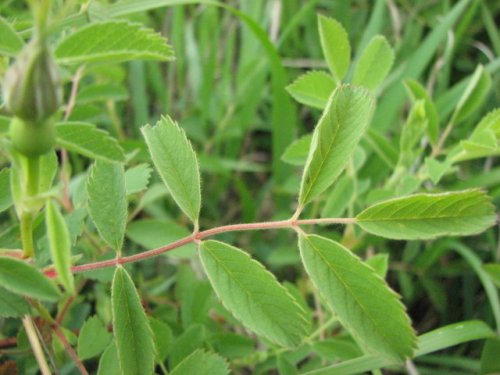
<point>196,237</point>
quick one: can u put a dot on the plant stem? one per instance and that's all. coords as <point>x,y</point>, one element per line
<point>282,224</point>
<point>30,329</point>
<point>32,179</point>
<point>70,351</point>
<point>27,235</point>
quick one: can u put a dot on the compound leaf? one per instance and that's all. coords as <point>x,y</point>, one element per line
<point>426,216</point>
<point>175,161</point>
<point>374,64</point>
<point>335,45</point>
<point>60,245</point>
<point>134,339</point>
<point>21,278</point>
<point>364,303</point>
<point>312,89</point>
<point>340,128</point>
<point>201,362</point>
<point>89,141</point>
<point>112,41</point>
<point>108,201</point>
<point>253,295</point>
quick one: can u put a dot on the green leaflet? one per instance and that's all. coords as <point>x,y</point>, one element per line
<point>134,339</point>
<point>175,161</point>
<point>108,363</point>
<point>296,153</point>
<point>374,64</point>
<point>10,41</point>
<point>335,45</point>
<point>426,216</point>
<point>340,128</point>
<point>418,92</point>
<point>493,271</point>
<point>312,89</point>
<point>122,41</point>
<point>252,294</point>
<point>201,363</point>
<point>364,303</point>
<point>485,139</point>
<point>93,339</point>
<point>60,245</point>
<point>12,305</point>
<point>5,196</point>
<point>88,141</point>
<point>107,201</point>
<point>137,178</point>
<point>21,278</point>
<point>473,96</point>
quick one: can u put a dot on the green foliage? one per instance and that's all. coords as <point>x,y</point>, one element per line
<point>313,89</point>
<point>23,279</point>
<point>203,363</point>
<point>175,161</point>
<point>335,46</point>
<point>108,201</point>
<point>89,141</point>
<point>424,216</point>
<point>134,339</point>
<point>340,128</point>
<point>12,305</point>
<point>374,64</point>
<point>359,297</point>
<point>123,41</point>
<point>253,295</point>
<point>10,42</point>
<point>93,338</point>
<point>87,188</point>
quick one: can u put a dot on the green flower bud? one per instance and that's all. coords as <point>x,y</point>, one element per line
<point>32,89</point>
<point>32,138</point>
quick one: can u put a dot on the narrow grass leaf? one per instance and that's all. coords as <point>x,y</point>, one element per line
<point>346,116</point>
<point>201,362</point>
<point>89,141</point>
<point>107,201</point>
<point>364,303</point>
<point>21,278</point>
<point>10,41</point>
<point>60,245</point>
<point>12,305</point>
<point>312,89</point>
<point>253,295</point>
<point>335,45</point>
<point>374,64</point>
<point>175,161</point>
<point>427,216</point>
<point>112,41</point>
<point>134,339</point>
<point>473,96</point>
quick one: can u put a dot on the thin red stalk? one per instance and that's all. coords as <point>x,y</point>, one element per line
<point>70,351</point>
<point>291,223</point>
